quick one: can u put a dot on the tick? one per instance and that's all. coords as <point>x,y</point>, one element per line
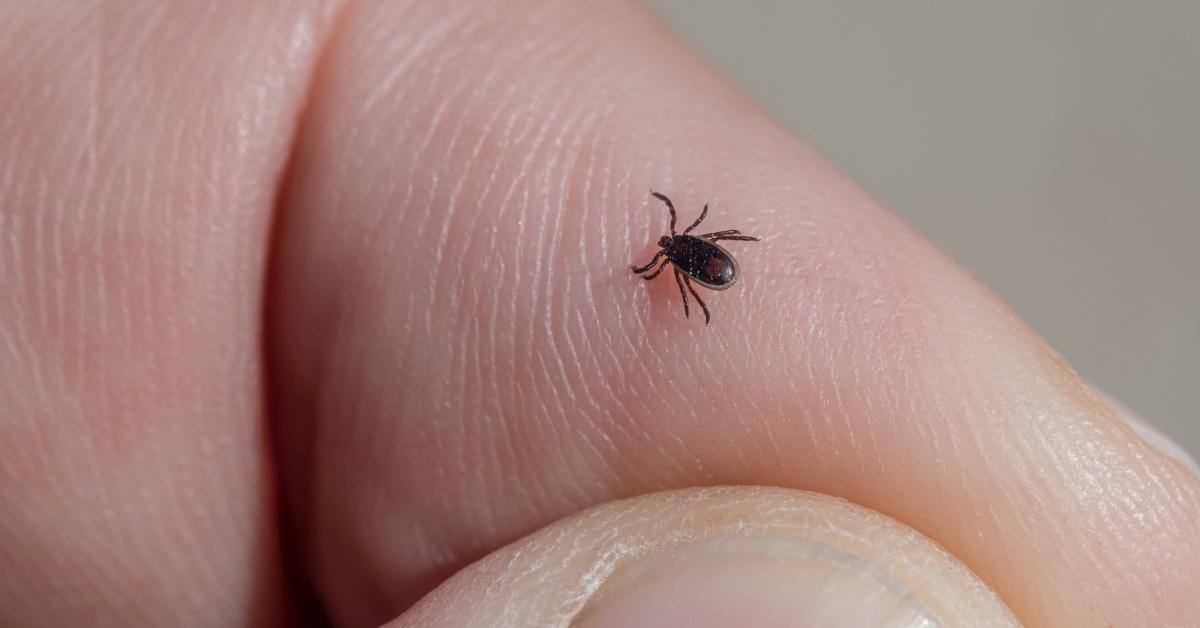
<point>697,258</point>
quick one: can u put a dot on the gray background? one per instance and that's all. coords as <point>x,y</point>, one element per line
<point>1053,148</point>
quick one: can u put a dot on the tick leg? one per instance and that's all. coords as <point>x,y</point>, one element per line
<point>703,213</point>
<point>743,238</point>
<point>657,272</point>
<point>679,280</point>
<point>698,300</point>
<point>717,234</point>
<point>647,267</point>
<point>670,207</point>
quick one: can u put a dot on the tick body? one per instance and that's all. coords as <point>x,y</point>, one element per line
<point>694,258</point>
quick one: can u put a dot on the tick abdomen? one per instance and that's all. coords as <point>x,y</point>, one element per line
<point>709,264</point>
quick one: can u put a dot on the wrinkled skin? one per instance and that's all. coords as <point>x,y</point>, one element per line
<point>317,303</point>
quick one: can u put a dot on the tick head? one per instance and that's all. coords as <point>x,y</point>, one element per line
<point>664,242</point>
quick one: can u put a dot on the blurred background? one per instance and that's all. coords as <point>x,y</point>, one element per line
<point>1053,148</point>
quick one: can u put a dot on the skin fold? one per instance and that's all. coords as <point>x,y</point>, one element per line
<point>332,300</point>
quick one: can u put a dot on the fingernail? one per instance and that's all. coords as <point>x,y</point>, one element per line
<point>761,582</point>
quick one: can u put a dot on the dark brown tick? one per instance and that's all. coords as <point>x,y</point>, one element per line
<point>696,258</point>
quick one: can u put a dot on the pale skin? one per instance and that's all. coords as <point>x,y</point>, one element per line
<point>364,269</point>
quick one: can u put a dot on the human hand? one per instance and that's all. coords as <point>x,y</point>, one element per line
<point>372,259</point>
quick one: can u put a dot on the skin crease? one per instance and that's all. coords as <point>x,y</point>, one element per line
<point>436,205</point>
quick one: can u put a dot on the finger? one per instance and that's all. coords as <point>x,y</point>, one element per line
<point>139,147</point>
<point>716,557</point>
<point>1151,434</point>
<point>464,356</point>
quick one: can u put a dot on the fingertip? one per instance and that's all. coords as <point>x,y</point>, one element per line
<point>716,557</point>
